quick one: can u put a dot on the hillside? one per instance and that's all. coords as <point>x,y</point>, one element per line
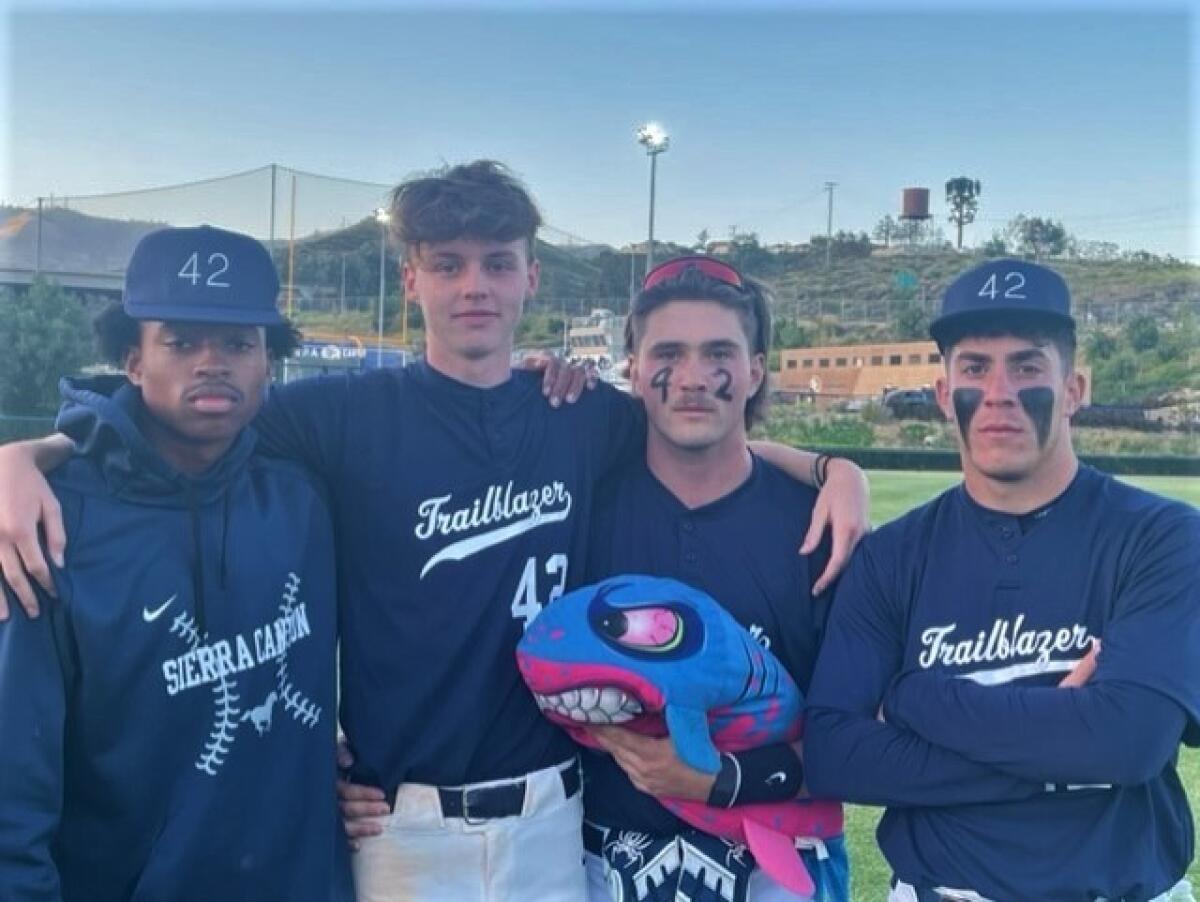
<point>862,291</point>
<point>71,241</point>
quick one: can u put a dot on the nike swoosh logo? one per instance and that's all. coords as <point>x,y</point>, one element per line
<point>776,778</point>
<point>150,616</point>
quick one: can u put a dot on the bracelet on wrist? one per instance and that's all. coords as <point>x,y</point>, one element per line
<point>725,790</point>
<point>770,773</point>
<point>821,470</point>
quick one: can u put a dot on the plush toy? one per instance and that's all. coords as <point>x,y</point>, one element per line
<point>661,658</point>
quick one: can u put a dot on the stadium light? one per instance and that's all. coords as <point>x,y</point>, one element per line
<point>655,139</point>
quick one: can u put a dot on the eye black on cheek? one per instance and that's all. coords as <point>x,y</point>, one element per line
<point>966,403</point>
<point>1039,404</point>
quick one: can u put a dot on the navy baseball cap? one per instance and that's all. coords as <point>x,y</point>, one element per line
<point>1017,288</point>
<point>202,275</point>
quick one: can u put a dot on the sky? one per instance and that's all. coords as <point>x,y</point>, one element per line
<point>1085,113</point>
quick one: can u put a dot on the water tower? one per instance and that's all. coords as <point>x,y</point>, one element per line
<point>914,205</point>
<point>914,212</point>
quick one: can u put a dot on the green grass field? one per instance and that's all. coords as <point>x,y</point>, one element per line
<point>893,493</point>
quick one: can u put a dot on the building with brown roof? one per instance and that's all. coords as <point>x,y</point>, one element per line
<point>862,370</point>
<point>869,370</point>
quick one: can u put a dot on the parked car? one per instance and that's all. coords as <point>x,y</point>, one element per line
<point>912,404</point>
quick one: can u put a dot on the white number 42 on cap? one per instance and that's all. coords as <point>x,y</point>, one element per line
<point>1012,293</point>
<point>191,270</point>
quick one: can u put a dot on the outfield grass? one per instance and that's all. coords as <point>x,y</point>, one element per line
<point>893,493</point>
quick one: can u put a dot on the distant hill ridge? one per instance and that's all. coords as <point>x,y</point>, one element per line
<point>595,274</point>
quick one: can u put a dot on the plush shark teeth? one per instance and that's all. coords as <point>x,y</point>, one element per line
<point>590,704</point>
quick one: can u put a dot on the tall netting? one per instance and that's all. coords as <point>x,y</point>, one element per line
<point>94,234</point>
<point>339,272</point>
<point>323,232</point>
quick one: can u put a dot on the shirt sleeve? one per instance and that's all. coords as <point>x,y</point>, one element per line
<point>848,753</point>
<point>34,674</point>
<point>1125,725</point>
<point>622,432</point>
<point>305,421</point>
<point>1153,637</point>
<point>1106,732</point>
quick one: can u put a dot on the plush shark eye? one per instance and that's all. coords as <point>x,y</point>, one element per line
<point>649,628</point>
<point>614,624</point>
<point>660,629</point>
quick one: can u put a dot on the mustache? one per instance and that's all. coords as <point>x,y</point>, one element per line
<point>695,399</point>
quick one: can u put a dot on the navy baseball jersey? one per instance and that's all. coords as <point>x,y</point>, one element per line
<point>458,513</point>
<point>961,621</point>
<point>741,550</point>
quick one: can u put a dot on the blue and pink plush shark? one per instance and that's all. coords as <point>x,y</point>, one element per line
<point>661,658</point>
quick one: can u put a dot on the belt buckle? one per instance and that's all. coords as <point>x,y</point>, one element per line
<point>466,805</point>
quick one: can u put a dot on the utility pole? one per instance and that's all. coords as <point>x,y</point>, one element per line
<point>37,247</point>
<point>342,297</point>
<point>829,186</point>
<point>271,226</point>
<point>291,290</point>
<point>632,278</point>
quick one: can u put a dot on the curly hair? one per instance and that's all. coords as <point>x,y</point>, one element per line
<point>116,332</point>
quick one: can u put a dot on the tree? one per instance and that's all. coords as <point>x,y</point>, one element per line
<point>791,334</point>
<point>885,230</point>
<point>844,245</point>
<point>917,232</point>
<point>1141,333</point>
<point>962,195</point>
<point>911,322</point>
<point>701,241</point>
<point>1100,346</point>
<point>747,254</point>
<point>1036,237</point>
<point>995,246</point>
<point>45,334</point>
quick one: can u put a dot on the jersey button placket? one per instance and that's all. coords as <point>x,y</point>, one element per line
<point>1009,534</point>
<point>687,545</point>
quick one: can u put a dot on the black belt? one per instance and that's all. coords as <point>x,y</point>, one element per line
<point>593,838</point>
<point>482,803</point>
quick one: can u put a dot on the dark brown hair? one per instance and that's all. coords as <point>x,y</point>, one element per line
<point>481,200</point>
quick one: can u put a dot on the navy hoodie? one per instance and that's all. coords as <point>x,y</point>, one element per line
<point>168,723</point>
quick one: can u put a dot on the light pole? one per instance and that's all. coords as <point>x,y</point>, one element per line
<point>381,216</point>
<point>655,139</point>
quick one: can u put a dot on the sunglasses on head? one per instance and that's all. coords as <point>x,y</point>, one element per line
<point>709,266</point>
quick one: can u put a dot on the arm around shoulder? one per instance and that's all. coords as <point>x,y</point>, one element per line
<point>843,503</point>
<point>27,503</point>
<point>305,420</point>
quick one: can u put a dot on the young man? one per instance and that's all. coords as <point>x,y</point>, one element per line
<point>168,723</point>
<point>940,687</point>
<point>701,508</point>
<point>461,504</point>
